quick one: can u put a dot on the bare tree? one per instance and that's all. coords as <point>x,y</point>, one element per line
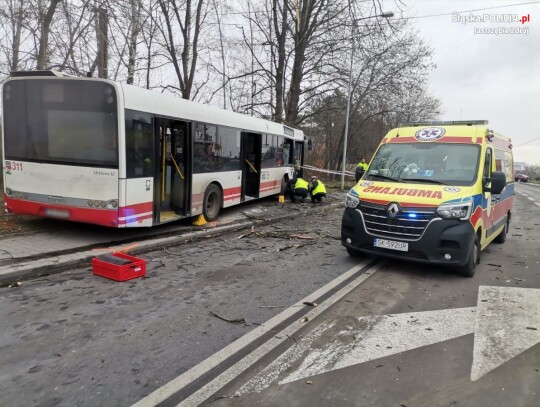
<point>46,18</point>
<point>133,38</point>
<point>12,16</point>
<point>189,22</point>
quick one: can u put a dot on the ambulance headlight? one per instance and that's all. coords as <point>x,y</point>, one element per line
<point>351,201</point>
<point>461,211</point>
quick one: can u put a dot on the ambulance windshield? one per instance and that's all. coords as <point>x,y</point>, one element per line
<point>437,163</point>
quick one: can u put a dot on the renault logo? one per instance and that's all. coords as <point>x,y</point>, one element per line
<point>393,210</point>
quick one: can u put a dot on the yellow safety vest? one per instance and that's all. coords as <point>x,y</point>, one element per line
<point>301,183</point>
<point>363,165</point>
<point>319,188</point>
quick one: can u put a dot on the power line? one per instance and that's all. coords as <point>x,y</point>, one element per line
<point>527,142</point>
<point>468,11</point>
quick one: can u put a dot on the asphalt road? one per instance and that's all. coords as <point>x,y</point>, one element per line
<point>388,333</point>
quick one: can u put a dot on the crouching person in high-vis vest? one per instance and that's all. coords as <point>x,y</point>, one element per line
<point>317,190</point>
<point>298,188</point>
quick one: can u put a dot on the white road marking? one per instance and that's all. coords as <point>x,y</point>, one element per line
<point>507,324</point>
<point>202,394</point>
<point>205,366</point>
<point>362,340</point>
<point>530,199</point>
<point>524,194</point>
<point>537,204</point>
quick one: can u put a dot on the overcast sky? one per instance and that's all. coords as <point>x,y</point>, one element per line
<point>484,75</point>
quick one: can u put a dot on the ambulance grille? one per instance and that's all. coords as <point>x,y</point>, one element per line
<point>378,222</point>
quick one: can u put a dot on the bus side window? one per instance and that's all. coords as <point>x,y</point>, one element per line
<point>139,144</point>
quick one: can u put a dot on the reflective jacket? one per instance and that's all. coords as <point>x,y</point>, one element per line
<point>301,183</point>
<point>318,187</point>
<point>363,165</point>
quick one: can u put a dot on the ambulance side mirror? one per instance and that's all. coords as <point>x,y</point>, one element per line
<point>498,182</point>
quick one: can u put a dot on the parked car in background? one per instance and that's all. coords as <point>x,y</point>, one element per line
<point>521,178</point>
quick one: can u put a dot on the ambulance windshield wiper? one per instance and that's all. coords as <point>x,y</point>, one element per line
<point>426,180</point>
<point>385,177</point>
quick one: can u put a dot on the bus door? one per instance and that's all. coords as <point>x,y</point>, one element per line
<point>299,159</point>
<point>171,193</point>
<point>251,144</point>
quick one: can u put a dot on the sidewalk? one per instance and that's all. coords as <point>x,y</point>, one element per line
<point>30,255</point>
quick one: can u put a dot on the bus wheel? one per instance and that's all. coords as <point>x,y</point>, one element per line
<point>284,181</point>
<point>469,268</point>
<point>212,202</point>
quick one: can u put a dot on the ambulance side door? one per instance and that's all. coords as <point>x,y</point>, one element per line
<point>488,202</point>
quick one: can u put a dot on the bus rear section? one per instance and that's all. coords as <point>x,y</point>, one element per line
<point>94,151</point>
<point>61,149</point>
<point>436,194</point>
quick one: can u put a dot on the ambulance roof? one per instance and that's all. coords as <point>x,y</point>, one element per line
<point>464,131</point>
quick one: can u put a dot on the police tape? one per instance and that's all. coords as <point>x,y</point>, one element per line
<point>311,168</point>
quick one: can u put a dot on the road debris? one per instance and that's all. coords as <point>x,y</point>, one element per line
<point>233,321</point>
<point>309,303</point>
<point>224,397</point>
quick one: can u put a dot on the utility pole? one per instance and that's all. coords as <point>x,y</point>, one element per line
<point>102,42</point>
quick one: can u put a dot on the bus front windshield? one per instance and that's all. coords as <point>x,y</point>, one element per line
<point>62,121</point>
<point>433,163</point>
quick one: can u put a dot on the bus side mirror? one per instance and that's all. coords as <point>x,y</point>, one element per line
<point>498,182</point>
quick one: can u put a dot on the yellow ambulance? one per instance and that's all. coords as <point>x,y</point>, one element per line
<point>434,192</point>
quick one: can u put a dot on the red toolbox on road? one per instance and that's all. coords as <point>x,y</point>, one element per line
<point>118,266</point>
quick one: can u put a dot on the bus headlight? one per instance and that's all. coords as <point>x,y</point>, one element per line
<point>351,201</point>
<point>461,211</point>
<point>112,204</point>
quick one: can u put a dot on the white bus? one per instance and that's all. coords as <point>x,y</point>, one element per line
<point>96,151</point>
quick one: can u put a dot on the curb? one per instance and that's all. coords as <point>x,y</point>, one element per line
<point>51,265</point>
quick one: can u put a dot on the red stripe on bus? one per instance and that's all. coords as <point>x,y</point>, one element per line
<point>131,210</point>
<point>270,184</point>
<point>231,191</point>
<point>136,219</point>
<point>105,217</point>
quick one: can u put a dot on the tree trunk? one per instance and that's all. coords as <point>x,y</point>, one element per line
<point>102,34</point>
<point>17,22</point>
<point>135,29</point>
<point>44,40</point>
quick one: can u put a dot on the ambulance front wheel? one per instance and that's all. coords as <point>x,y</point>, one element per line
<point>212,202</point>
<point>469,268</point>
<point>501,237</point>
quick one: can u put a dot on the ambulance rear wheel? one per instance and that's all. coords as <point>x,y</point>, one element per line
<point>469,268</point>
<point>212,202</point>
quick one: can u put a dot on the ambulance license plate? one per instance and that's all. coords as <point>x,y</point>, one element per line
<point>391,244</point>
